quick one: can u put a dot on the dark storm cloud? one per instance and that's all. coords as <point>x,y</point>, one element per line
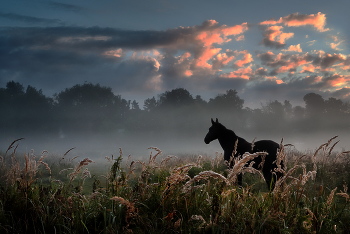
<point>328,60</point>
<point>85,38</point>
<point>66,7</point>
<point>273,44</point>
<point>30,19</point>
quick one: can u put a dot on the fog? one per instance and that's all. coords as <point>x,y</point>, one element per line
<point>96,122</point>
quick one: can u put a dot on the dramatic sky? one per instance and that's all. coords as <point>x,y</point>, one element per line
<point>266,50</point>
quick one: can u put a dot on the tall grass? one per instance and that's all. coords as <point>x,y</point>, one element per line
<point>175,195</point>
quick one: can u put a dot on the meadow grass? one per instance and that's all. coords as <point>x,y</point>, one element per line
<point>187,194</point>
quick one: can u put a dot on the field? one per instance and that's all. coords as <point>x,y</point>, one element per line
<point>169,194</point>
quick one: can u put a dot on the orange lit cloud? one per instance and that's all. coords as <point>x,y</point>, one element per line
<point>244,73</point>
<point>308,68</point>
<point>296,20</point>
<point>240,38</point>
<point>221,60</point>
<point>274,37</point>
<point>206,55</point>
<point>334,46</point>
<point>247,58</point>
<point>115,53</point>
<point>210,35</point>
<point>295,48</point>
<point>277,35</point>
<point>337,80</point>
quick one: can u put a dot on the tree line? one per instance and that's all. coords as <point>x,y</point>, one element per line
<point>91,108</point>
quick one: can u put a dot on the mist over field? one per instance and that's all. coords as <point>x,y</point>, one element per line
<point>97,122</point>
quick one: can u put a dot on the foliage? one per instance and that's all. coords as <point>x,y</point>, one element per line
<point>91,108</point>
<point>171,194</point>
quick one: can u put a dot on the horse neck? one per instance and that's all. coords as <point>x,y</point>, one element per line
<point>227,139</point>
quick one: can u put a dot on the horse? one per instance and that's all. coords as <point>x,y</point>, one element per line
<point>227,139</point>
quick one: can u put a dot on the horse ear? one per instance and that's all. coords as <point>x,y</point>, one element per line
<point>212,121</point>
<point>217,121</point>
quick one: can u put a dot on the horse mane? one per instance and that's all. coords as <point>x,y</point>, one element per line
<point>224,128</point>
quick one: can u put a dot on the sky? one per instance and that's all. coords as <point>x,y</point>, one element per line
<point>266,50</point>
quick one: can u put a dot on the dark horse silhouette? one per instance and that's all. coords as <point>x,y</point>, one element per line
<point>227,139</point>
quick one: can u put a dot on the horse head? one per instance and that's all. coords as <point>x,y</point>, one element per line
<point>213,133</point>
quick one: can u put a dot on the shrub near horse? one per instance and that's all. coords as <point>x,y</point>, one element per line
<point>227,139</point>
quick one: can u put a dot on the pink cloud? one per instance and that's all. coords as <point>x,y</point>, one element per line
<point>294,48</point>
<point>247,58</point>
<point>275,34</point>
<point>221,60</point>
<point>243,73</point>
<point>296,20</point>
<point>334,46</point>
<point>240,38</point>
<point>206,55</point>
<point>274,37</point>
<point>337,80</point>
<point>309,68</point>
<point>114,53</point>
<point>212,33</point>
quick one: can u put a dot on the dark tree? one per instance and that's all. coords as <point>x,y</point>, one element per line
<point>315,104</point>
<point>150,104</point>
<point>175,98</point>
<point>334,106</point>
<point>135,105</point>
<point>229,101</point>
<point>90,107</point>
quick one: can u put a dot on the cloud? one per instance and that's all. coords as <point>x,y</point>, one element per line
<point>242,73</point>
<point>30,19</point>
<point>204,57</point>
<point>327,60</point>
<point>247,58</point>
<point>310,43</point>
<point>274,37</point>
<point>334,46</point>
<point>65,7</point>
<point>296,20</point>
<point>294,48</point>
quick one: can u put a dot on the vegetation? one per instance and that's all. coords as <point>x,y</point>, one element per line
<point>94,109</point>
<point>174,195</point>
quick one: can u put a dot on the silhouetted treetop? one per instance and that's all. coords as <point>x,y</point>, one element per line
<point>228,101</point>
<point>86,94</point>
<point>175,98</point>
<point>314,104</point>
<point>150,104</point>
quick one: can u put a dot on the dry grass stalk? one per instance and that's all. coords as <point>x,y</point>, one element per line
<point>78,168</point>
<point>132,167</point>
<point>283,179</point>
<point>239,166</point>
<point>344,193</point>
<point>204,175</point>
<point>12,145</point>
<point>130,208</point>
<point>27,175</point>
<point>281,157</point>
<point>234,152</point>
<point>153,159</point>
<point>178,175</point>
<point>341,154</point>
<point>166,160</point>
<point>330,197</point>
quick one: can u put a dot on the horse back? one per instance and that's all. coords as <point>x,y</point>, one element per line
<point>267,146</point>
